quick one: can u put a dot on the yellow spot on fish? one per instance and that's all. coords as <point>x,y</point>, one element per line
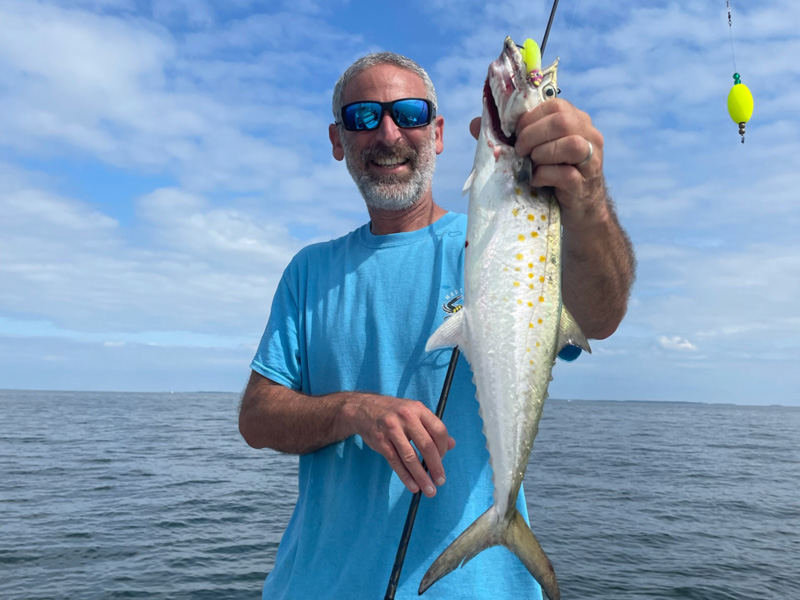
<point>531,217</point>
<point>542,259</point>
<point>531,362</point>
<point>541,298</point>
<point>534,234</point>
<point>540,321</point>
<point>530,303</point>
<point>530,265</point>
<point>518,192</point>
<point>544,217</point>
<point>516,284</point>
<point>515,211</point>
<point>537,344</point>
<point>530,285</point>
<point>505,269</point>
<point>516,268</point>
<point>519,301</point>
<point>530,325</point>
<point>541,278</point>
<point>528,350</point>
<point>521,237</point>
<point>530,275</point>
<point>519,257</point>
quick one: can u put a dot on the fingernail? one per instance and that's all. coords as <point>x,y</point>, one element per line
<point>440,481</point>
<point>429,491</point>
<point>413,488</point>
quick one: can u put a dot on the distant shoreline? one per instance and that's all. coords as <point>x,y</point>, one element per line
<point>565,400</point>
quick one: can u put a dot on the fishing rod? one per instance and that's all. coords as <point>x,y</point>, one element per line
<point>412,510</point>
<point>549,25</point>
<point>400,558</point>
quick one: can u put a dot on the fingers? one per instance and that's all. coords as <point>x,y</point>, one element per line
<point>566,150</point>
<point>400,423</point>
<point>573,150</point>
<point>558,121</point>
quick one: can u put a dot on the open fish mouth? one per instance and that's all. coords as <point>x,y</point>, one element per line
<point>505,83</point>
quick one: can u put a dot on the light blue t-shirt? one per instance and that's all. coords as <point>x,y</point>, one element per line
<point>353,314</point>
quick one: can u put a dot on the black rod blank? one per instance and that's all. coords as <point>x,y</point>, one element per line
<point>391,589</point>
<point>549,24</point>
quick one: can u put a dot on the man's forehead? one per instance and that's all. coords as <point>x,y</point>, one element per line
<point>383,82</point>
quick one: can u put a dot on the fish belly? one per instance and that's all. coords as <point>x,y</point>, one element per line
<point>512,303</point>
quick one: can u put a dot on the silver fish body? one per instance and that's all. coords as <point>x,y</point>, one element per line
<point>512,324</point>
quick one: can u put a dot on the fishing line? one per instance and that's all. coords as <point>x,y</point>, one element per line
<point>572,22</point>
<point>730,28</point>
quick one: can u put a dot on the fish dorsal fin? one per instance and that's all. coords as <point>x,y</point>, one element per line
<point>450,333</point>
<point>468,182</point>
<point>570,334</point>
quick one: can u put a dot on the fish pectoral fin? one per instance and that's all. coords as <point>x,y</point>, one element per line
<point>450,333</point>
<point>487,531</point>
<point>570,334</point>
<point>468,182</point>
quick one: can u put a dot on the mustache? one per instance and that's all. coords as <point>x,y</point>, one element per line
<point>382,151</point>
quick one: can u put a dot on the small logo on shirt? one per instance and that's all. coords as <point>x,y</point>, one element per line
<point>452,303</point>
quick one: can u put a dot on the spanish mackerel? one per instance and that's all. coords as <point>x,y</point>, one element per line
<point>513,323</point>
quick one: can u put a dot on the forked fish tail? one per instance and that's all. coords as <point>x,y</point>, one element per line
<point>487,531</point>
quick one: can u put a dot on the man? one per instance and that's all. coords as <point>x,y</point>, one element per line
<point>341,376</point>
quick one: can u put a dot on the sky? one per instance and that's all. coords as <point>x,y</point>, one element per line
<point>161,161</point>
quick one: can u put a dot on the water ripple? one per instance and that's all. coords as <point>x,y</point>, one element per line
<point>134,496</point>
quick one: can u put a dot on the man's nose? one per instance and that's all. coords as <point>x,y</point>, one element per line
<point>388,132</point>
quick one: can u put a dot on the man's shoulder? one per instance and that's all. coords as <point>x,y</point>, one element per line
<point>459,221</point>
<point>325,250</point>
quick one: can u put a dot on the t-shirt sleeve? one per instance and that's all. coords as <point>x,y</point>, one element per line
<point>278,355</point>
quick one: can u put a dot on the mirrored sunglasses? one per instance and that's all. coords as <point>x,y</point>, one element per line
<point>406,113</point>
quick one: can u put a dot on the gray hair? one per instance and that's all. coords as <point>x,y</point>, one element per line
<point>372,60</point>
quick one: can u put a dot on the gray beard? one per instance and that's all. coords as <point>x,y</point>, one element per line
<point>391,192</point>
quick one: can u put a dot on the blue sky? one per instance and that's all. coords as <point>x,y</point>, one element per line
<point>161,161</point>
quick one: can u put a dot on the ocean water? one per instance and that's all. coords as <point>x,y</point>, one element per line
<point>122,495</point>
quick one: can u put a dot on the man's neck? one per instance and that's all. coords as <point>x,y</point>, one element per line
<point>422,213</point>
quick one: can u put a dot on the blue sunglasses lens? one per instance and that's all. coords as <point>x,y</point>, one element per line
<point>362,115</point>
<point>406,113</point>
<point>410,113</point>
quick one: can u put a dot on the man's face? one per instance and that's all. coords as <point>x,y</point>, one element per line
<point>392,167</point>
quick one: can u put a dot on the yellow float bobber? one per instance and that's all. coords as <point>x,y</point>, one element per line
<point>740,103</point>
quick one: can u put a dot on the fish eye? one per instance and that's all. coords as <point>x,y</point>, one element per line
<point>549,91</point>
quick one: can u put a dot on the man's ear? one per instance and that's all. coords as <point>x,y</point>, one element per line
<point>438,123</point>
<point>336,142</point>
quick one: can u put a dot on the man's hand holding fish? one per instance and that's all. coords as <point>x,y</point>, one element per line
<point>566,151</point>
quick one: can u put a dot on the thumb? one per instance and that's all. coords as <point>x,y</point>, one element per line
<point>475,127</point>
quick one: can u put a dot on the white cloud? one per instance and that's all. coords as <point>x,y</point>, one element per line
<point>676,343</point>
<point>189,266</point>
<point>127,92</point>
<point>228,107</point>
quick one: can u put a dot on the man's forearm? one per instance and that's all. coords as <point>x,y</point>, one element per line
<point>274,416</point>
<point>598,271</point>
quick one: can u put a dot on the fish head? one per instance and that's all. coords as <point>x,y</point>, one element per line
<point>510,91</point>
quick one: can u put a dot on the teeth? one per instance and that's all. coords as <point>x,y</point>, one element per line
<point>389,162</point>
